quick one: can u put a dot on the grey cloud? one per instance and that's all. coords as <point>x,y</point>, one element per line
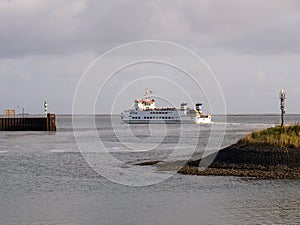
<point>49,27</point>
<point>45,45</point>
<point>58,28</point>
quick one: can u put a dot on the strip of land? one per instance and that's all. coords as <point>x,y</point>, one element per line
<point>273,153</point>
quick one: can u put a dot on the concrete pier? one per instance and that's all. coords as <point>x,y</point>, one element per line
<point>28,123</point>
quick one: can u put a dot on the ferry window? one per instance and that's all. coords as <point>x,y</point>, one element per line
<point>160,117</point>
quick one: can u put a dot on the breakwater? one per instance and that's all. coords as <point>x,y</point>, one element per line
<point>261,161</point>
<point>270,153</point>
<point>28,123</point>
<point>240,159</point>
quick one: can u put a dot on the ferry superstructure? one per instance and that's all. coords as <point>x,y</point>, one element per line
<point>145,111</point>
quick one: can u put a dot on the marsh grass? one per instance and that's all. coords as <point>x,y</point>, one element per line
<point>287,136</point>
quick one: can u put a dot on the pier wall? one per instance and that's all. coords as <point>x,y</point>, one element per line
<point>29,123</point>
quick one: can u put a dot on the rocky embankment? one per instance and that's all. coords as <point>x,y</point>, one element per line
<point>262,161</point>
<point>271,153</point>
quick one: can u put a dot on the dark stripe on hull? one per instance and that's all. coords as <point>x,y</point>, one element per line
<point>156,121</point>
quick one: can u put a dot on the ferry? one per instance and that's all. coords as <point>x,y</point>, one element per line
<point>145,111</point>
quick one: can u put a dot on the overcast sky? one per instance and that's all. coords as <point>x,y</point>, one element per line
<point>252,46</point>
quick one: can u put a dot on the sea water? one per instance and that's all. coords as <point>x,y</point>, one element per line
<point>47,178</point>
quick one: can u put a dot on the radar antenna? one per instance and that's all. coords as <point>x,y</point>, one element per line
<point>147,93</point>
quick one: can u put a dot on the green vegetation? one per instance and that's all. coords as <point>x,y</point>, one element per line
<point>287,136</point>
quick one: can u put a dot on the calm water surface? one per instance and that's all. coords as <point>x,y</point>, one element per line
<point>44,179</point>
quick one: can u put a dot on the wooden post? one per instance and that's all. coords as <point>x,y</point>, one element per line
<point>51,122</point>
<point>282,105</point>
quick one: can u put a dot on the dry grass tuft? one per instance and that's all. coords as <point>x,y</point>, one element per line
<point>287,136</point>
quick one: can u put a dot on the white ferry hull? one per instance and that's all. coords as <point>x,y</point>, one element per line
<point>169,117</point>
<point>145,111</point>
<point>159,121</point>
<point>203,119</point>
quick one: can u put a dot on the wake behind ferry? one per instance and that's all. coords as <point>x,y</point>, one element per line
<point>145,111</point>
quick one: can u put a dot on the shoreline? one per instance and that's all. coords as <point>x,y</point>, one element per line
<point>240,160</point>
<point>272,173</point>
